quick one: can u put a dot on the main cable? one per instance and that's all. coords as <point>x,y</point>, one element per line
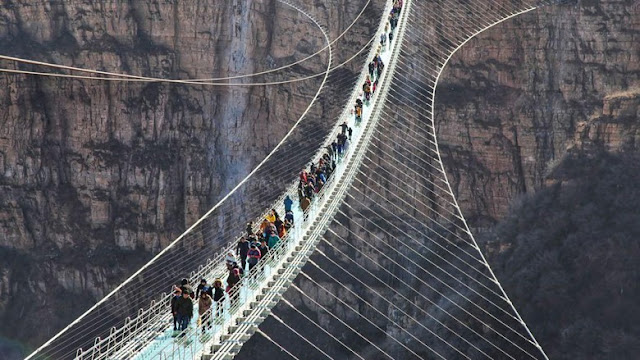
<point>196,81</point>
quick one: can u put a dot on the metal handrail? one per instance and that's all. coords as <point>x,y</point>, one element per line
<point>157,312</point>
<point>276,254</point>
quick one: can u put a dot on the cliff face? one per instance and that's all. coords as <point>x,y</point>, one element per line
<point>548,103</point>
<point>513,100</point>
<point>97,176</point>
<point>511,104</point>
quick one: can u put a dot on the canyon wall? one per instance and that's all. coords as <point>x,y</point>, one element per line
<point>517,97</point>
<point>97,176</point>
<point>511,105</point>
<point>537,119</point>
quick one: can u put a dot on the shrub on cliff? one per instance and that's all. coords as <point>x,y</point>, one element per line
<point>571,259</point>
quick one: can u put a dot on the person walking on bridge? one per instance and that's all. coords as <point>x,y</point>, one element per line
<point>288,203</point>
<point>254,256</point>
<point>264,248</point>
<point>202,288</point>
<point>273,240</point>
<point>184,309</point>
<point>366,88</point>
<point>204,311</point>
<point>273,214</point>
<point>218,295</point>
<point>249,228</point>
<point>264,226</point>
<point>242,250</point>
<point>230,258</point>
<point>232,280</point>
<point>177,294</point>
<point>186,288</point>
<point>344,127</point>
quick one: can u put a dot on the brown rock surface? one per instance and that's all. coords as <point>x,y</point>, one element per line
<point>97,176</point>
<point>508,106</point>
<point>514,99</point>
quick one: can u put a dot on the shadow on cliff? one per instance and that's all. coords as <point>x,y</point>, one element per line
<point>48,290</point>
<point>567,256</point>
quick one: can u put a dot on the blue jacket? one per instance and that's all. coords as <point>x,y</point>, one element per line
<point>272,241</point>
<point>287,204</point>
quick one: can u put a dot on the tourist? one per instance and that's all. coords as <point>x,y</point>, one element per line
<point>184,311</point>
<point>218,295</point>
<point>232,280</point>
<point>273,240</point>
<point>177,294</point>
<point>264,248</point>
<point>202,287</point>
<point>242,249</point>
<point>230,258</point>
<point>187,289</point>
<point>287,204</point>
<point>344,127</point>
<point>254,256</point>
<point>264,225</point>
<point>204,311</point>
<point>271,217</point>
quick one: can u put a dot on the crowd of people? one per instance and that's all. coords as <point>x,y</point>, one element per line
<point>259,240</point>
<point>251,248</point>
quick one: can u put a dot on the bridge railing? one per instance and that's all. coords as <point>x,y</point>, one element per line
<point>194,341</point>
<point>221,314</point>
<point>139,332</point>
<point>146,326</point>
<point>147,323</point>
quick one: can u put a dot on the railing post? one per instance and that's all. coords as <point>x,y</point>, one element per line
<point>96,344</point>
<point>123,333</point>
<point>111,339</point>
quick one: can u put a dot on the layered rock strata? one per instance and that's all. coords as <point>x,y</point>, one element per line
<point>513,100</point>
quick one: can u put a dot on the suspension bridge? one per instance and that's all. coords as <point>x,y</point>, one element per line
<point>381,265</point>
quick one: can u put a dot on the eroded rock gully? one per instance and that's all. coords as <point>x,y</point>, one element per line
<point>97,176</point>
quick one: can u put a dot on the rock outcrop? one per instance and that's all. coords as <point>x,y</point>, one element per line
<point>514,99</point>
<point>568,254</point>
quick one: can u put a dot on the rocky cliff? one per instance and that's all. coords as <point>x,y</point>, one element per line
<point>568,254</point>
<point>538,121</point>
<point>514,99</point>
<point>97,176</point>
<point>512,104</point>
